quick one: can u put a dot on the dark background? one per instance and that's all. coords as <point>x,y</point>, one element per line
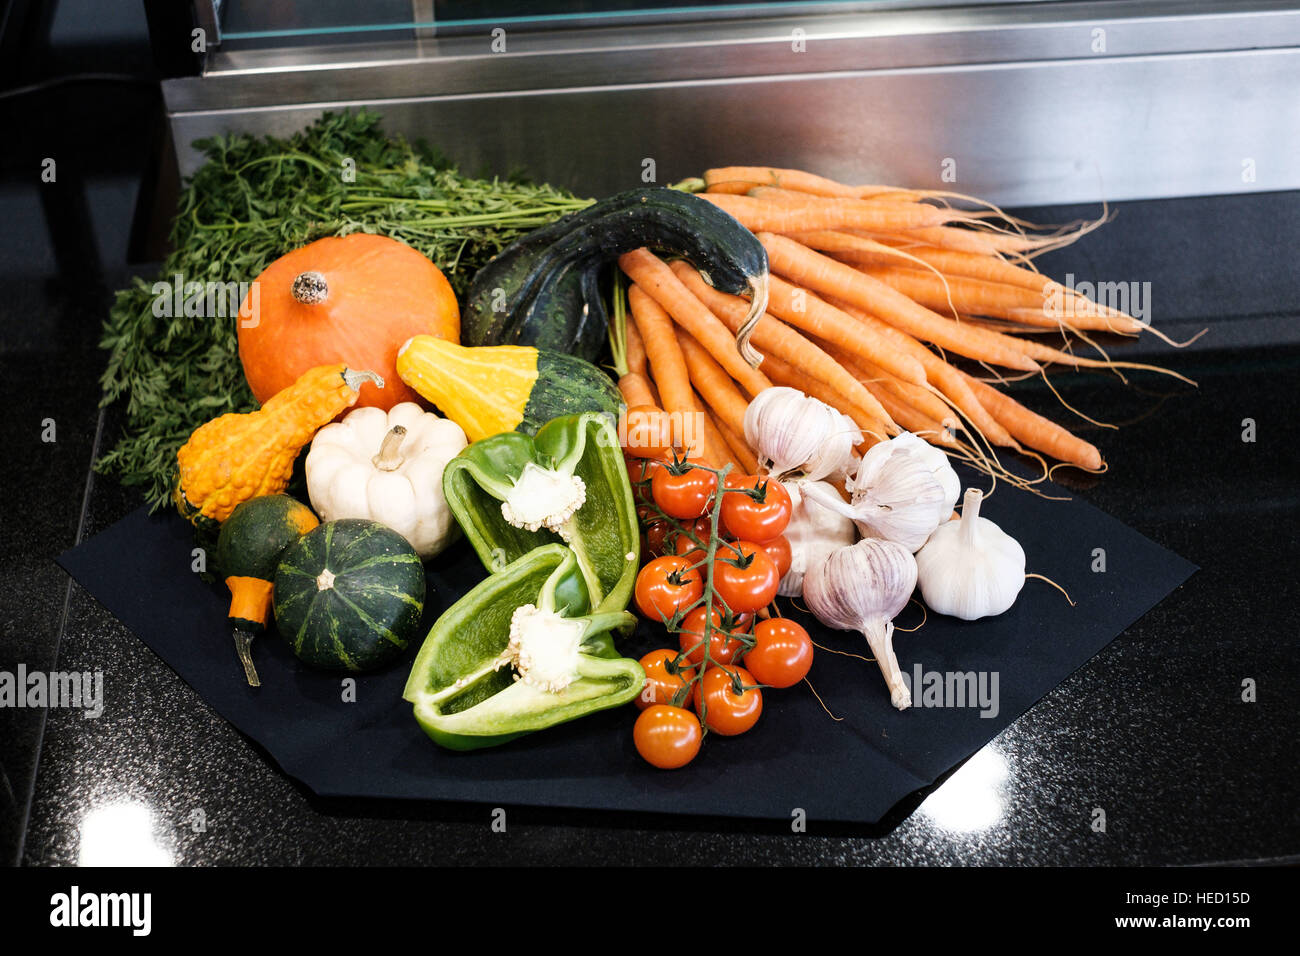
<point>1153,729</point>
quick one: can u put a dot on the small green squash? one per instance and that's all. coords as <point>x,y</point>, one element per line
<point>249,547</point>
<point>255,536</point>
<point>349,595</point>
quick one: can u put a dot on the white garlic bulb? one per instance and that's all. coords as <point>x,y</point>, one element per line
<point>792,433</point>
<point>814,532</point>
<point>970,568</point>
<point>862,588</point>
<point>901,492</point>
<point>942,470</point>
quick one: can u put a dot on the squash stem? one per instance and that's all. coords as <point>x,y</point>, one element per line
<point>244,648</point>
<point>390,451</point>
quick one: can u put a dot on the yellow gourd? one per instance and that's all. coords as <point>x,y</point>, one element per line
<point>240,456</point>
<point>488,389</point>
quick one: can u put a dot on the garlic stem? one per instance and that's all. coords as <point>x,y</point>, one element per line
<point>970,512</point>
<point>880,636</point>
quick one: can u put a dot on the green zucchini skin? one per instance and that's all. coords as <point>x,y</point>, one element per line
<point>567,385</point>
<point>534,281</point>
<point>365,611</point>
<point>258,532</point>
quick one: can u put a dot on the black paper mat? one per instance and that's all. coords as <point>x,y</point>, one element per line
<point>853,770</point>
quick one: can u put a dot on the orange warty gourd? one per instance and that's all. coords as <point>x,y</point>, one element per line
<point>351,299</point>
<point>236,457</point>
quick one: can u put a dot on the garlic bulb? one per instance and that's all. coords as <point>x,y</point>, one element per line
<point>939,466</point>
<point>814,532</point>
<point>970,568</point>
<point>791,432</point>
<point>901,492</point>
<point>862,588</point>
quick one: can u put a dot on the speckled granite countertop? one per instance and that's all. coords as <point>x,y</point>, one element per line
<point>1153,730</point>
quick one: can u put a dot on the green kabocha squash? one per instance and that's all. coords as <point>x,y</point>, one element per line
<point>349,595</point>
<point>249,548</point>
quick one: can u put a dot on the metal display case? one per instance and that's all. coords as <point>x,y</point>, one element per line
<point>1022,103</point>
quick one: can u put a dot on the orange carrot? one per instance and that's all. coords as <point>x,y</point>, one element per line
<point>942,237</point>
<point>636,389</point>
<point>759,215</point>
<point>823,274</point>
<point>1034,430</point>
<point>635,349</point>
<point>662,351</point>
<point>872,426</point>
<point>657,280</point>
<point>713,384</point>
<point>776,338</point>
<point>817,317</point>
<point>912,418</point>
<point>729,178</point>
<point>739,450</point>
<point>717,442</point>
<point>997,300</point>
<point>951,262</point>
<point>938,373</point>
<point>923,400</point>
<point>883,202</point>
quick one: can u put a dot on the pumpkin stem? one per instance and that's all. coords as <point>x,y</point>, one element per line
<point>310,288</point>
<point>389,457</point>
<point>354,379</point>
<point>325,580</point>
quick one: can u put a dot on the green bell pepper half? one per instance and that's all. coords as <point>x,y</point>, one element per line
<point>603,532</point>
<point>466,699</point>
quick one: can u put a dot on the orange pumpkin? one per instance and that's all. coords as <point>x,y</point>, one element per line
<point>350,300</point>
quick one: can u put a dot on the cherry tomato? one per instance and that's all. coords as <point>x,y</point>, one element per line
<point>778,549</point>
<point>782,652</point>
<point>665,585</point>
<point>745,577</point>
<point>684,496</point>
<point>755,519</point>
<point>667,737</point>
<point>685,545</point>
<point>647,432</point>
<point>660,686</point>
<point>723,643</point>
<point>688,549</point>
<point>725,711</point>
<point>654,531</point>
<point>639,472</point>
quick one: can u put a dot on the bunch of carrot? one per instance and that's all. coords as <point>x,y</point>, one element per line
<point>871,287</point>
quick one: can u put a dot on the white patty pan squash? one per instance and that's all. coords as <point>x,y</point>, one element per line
<point>387,466</point>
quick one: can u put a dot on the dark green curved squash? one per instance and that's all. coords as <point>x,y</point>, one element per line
<point>544,289</point>
<point>349,595</point>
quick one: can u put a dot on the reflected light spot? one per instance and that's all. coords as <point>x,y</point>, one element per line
<point>971,798</point>
<point>120,834</point>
